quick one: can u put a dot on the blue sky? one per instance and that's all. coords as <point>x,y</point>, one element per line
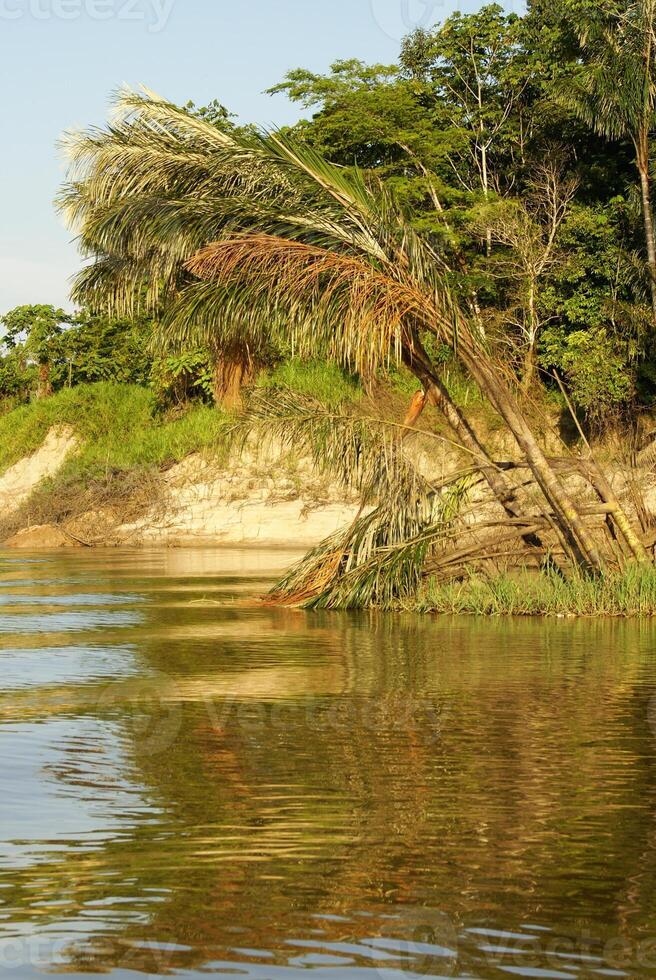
<point>61,59</point>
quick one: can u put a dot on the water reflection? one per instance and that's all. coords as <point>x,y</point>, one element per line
<point>193,782</point>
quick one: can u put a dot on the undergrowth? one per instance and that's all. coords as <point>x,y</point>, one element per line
<point>629,593</point>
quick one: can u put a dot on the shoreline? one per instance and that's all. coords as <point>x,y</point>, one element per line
<point>181,487</point>
<point>630,595</point>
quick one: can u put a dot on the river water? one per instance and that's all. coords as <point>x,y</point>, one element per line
<point>196,784</point>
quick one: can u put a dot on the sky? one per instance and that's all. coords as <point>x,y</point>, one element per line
<point>61,59</point>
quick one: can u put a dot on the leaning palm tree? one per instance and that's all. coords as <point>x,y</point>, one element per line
<point>251,239</point>
<point>614,92</point>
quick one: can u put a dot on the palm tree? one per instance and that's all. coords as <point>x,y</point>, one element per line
<point>249,239</point>
<point>614,92</point>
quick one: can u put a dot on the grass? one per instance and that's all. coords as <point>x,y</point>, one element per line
<point>630,593</point>
<point>119,428</point>
<point>319,379</point>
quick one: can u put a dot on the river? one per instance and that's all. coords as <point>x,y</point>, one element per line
<point>193,783</point>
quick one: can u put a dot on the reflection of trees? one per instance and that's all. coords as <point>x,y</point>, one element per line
<point>519,786</point>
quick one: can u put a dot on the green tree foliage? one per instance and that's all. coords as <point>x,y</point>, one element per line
<point>45,349</point>
<point>37,331</point>
<point>457,133</point>
<point>595,364</point>
<point>103,348</point>
<point>614,91</point>
<point>458,130</point>
<point>476,74</point>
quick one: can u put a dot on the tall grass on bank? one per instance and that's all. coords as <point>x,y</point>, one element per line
<point>118,427</point>
<point>629,593</point>
<point>322,380</point>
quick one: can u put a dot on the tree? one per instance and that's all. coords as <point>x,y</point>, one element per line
<point>38,330</point>
<point>258,240</point>
<point>377,121</point>
<point>103,348</point>
<point>474,65</point>
<point>528,230</point>
<point>615,92</point>
<point>327,91</point>
<point>142,212</point>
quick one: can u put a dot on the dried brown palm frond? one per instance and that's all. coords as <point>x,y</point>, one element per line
<point>379,558</point>
<point>329,300</point>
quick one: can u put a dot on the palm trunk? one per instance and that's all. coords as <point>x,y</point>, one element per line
<point>232,371</point>
<point>567,516</point>
<point>642,161</point>
<point>44,389</point>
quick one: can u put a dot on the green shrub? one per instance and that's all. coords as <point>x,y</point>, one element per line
<point>595,366</point>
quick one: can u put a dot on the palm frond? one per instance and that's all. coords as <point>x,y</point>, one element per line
<point>367,564</point>
<point>159,180</point>
<point>614,90</point>
<point>363,454</point>
<point>329,300</point>
<point>379,558</point>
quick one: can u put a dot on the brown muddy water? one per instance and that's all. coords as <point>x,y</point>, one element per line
<point>195,785</point>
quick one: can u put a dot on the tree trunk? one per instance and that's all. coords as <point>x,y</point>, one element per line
<point>486,194</point>
<point>528,373</point>
<point>44,389</point>
<point>529,369</point>
<point>569,520</point>
<point>642,160</point>
<point>232,371</point>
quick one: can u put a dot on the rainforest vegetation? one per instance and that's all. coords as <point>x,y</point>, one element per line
<point>468,231</point>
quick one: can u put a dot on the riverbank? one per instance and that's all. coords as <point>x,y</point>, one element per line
<point>103,466</point>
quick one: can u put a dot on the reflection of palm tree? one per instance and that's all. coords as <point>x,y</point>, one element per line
<point>345,810</point>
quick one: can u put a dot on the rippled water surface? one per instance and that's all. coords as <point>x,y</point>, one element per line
<point>194,784</point>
